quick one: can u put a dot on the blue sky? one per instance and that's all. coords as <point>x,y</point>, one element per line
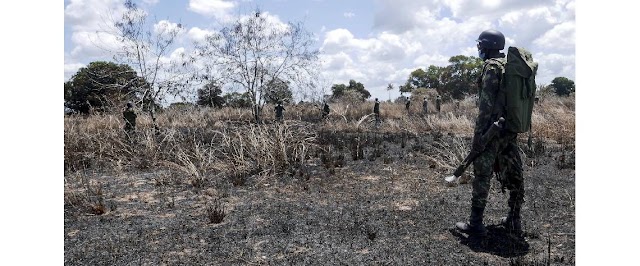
<point>374,42</point>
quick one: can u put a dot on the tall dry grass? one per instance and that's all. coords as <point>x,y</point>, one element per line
<point>200,141</point>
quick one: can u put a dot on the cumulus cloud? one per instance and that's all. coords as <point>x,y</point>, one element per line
<point>93,44</point>
<point>92,15</point>
<point>412,34</point>
<point>219,9</point>
<point>348,14</point>
<point>197,34</point>
<point>560,37</point>
<point>554,65</point>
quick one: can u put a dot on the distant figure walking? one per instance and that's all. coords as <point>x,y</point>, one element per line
<point>438,102</point>
<point>279,111</point>
<point>376,111</point>
<point>424,105</point>
<point>129,115</point>
<point>407,105</point>
<point>325,110</point>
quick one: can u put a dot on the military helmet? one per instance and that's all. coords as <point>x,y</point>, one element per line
<point>491,39</point>
<point>129,105</point>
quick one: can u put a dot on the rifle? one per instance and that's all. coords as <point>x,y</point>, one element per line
<point>495,128</point>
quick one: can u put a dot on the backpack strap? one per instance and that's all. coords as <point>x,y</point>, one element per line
<point>500,101</point>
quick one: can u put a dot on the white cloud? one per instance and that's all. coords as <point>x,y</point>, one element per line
<point>426,60</point>
<point>197,35</point>
<point>91,45</point>
<point>348,14</point>
<point>560,37</point>
<point>337,61</point>
<point>92,15</point>
<point>414,34</point>
<point>554,65</point>
<point>150,2</point>
<point>218,9</point>
<point>165,27</point>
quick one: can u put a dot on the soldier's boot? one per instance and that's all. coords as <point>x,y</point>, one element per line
<point>474,227</point>
<point>512,221</point>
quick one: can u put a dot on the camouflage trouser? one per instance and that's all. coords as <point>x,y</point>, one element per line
<point>502,157</point>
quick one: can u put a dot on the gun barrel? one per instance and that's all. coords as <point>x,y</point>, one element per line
<point>475,151</point>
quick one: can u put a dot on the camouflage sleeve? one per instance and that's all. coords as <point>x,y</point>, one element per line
<point>490,85</point>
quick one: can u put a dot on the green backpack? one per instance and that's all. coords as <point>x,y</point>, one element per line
<point>518,89</point>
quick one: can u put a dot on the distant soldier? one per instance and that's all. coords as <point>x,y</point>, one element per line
<point>129,119</point>
<point>376,111</point>
<point>407,105</point>
<point>279,111</point>
<point>438,102</point>
<point>537,99</point>
<point>424,105</point>
<point>325,110</point>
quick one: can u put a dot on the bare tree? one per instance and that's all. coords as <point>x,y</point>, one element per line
<point>257,50</point>
<point>147,48</point>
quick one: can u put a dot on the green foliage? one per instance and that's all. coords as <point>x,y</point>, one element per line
<point>210,95</point>
<point>563,86</point>
<point>460,77</point>
<point>238,100</point>
<point>102,86</point>
<point>456,80</point>
<point>278,90</point>
<point>423,79</point>
<point>341,90</point>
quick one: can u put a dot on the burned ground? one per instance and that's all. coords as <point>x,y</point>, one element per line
<point>380,201</point>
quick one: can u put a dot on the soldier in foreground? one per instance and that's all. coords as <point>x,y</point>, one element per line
<point>501,149</point>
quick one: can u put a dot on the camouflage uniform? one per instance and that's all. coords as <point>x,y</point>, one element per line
<point>438,101</point>
<point>501,154</point>
<point>424,105</point>
<point>408,105</point>
<point>279,109</point>
<point>129,119</point>
<point>376,110</point>
<point>325,110</point>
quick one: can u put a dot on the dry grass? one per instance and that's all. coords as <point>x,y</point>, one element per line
<point>199,141</point>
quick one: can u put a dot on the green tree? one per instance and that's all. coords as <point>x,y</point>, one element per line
<point>433,80</point>
<point>337,90</point>
<point>101,86</point>
<point>460,77</point>
<point>278,90</point>
<point>340,90</point>
<point>423,79</point>
<point>563,86</point>
<point>238,100</point>
<point>417,79</point>
<point>210,95</point>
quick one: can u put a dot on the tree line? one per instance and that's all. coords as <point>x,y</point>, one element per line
<point>265,62</point>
